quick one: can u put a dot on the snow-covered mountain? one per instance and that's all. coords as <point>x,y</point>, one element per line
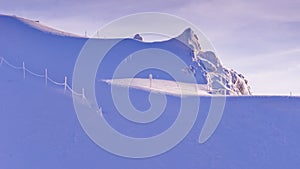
<point>205,65</point>
<point>39,127</point>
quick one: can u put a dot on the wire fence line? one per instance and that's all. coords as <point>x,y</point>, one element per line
<point>34,74</point>
<point>54,82</point>
<point>6,62</point>
<point>45,76</point>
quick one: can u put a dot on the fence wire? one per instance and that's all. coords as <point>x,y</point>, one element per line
<point>34,74</point>
<point>54,82</point>
<point>74,92</point>
<point>6,62</point>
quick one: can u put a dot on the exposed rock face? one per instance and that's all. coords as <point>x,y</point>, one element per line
<point>219,79</point>
<point>138,37</point>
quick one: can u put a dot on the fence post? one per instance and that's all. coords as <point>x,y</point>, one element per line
<point>65,84</point>
<point>46,76</point>
<point>208,87</point>
<point>24,70</point>
<point>83,95</point>
<point>150,79</point>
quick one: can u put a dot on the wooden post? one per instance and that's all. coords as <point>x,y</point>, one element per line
<point>46,76</point>
<point>65,84</point>
<point>150,79</point>
<point>24,71</point>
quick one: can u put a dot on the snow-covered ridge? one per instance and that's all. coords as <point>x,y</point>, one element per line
<point>200,63</point>
<point>35,24</point>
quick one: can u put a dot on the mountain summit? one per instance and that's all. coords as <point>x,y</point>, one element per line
<point>219,78</point>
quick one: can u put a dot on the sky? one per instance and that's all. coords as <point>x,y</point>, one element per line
<point>259,38</point>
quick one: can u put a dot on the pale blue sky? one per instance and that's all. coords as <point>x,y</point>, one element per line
<point>258,38</point>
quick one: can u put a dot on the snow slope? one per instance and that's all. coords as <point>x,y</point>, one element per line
<point>162,86</point>
<point>39,128</point>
